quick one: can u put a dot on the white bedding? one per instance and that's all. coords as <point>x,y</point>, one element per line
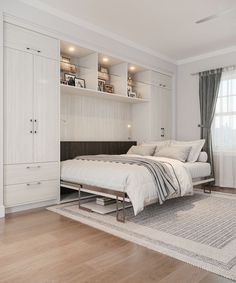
<point>198,169</point>
<point>135,180</point>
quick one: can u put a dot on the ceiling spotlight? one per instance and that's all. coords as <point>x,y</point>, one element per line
<point>132,68</point>
<point>71,49</point>
<point>105,59</point>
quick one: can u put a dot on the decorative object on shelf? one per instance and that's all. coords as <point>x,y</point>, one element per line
<point>70,79</point>
<point>104,70</point>
<point>129,89</point>
<point>66,66</point>
<point>64,82</point>
<point>130,80</point>
<point>109,88</point>
<point>132,94</point>
<point>101,85</point>
<point>80,83</point>
<point>103,73</point>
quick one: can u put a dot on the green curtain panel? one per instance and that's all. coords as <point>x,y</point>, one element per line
<point>209,84</point>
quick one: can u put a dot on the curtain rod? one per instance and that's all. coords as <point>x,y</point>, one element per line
<point>224,68</point>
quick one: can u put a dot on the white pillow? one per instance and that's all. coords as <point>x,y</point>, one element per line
<point>195,150</point>
<point>157,143</point>
<point>175,152</point>
<point>202,157</point>
<point>142,150</point>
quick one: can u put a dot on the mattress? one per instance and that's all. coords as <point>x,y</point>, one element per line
<point>198,169</point>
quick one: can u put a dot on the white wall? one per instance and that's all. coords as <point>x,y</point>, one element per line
<point>187,100</point>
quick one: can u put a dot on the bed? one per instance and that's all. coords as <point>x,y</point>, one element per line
<point>132,182</point>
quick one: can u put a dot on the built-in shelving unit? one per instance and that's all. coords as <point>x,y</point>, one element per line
<point>67,89</point>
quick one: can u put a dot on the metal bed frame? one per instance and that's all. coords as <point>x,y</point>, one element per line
<point>119,195</point>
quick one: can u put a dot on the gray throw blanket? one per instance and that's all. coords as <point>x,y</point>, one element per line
<point>165,186</point>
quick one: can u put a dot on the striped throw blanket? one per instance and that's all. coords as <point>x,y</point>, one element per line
<point>163,181</point>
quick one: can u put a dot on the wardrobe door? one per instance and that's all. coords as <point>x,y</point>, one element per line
<point>46,109</point>
<point>18,106</point>
<point>165,113</point>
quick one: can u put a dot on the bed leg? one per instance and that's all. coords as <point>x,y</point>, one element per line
<point>79,204</point>
<point>207,189</point>
<point>122,218</point>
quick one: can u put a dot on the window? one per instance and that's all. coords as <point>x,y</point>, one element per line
<point>224,124</point>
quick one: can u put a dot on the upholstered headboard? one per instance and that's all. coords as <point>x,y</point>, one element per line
<point>71,149</point>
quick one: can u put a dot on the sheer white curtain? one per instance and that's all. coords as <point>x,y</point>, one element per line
<point>224,131</point>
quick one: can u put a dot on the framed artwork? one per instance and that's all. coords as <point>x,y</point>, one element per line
<point>80,83</point>
<point>70,79</point>
<point>101,85</point>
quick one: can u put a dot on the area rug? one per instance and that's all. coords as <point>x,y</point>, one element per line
<point>199,230</point>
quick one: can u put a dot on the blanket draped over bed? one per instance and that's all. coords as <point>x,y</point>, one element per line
<point>164,184</point>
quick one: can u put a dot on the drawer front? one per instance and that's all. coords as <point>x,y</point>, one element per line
<point>27,193</point>
<point>29,41</point>
<point>24,173</point>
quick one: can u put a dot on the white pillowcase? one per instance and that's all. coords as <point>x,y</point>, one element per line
<point>142,150</point>
<point>178,152</point>
<point>158,144</point>
<point>202,157</point>
<point>196,147</point>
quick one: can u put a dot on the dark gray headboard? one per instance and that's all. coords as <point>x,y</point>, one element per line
<point>71,149</point>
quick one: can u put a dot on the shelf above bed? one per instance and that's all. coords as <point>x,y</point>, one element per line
<point>67,89</point>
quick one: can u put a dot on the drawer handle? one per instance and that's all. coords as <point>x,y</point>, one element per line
<point>33,184</point>
<point>33,167</point>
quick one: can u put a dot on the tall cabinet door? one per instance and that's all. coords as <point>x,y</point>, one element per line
<point>18,106</point>
<point>166,112</point>
<point>46,109</point>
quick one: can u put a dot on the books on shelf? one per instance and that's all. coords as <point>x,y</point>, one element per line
<point>104,201</point>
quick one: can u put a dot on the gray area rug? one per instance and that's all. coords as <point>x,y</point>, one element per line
<point>200,230</point>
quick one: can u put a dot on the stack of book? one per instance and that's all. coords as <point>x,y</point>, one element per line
<point>105,201</point>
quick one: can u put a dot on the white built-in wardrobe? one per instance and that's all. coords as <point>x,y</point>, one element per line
<point>31,117</point>
<point>32,111</point>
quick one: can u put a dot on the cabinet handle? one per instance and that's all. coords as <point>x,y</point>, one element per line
<point>36,126</point>
<point>32,126</point>
<point>33,184</point>
<point>38,51</point>
<point>33,167</point>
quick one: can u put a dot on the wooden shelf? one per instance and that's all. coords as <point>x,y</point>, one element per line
<point>67,89</point>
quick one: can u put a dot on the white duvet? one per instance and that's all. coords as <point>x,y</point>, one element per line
<point>135,180</point>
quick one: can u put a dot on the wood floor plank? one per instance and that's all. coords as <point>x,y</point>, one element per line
<point>40,246</point>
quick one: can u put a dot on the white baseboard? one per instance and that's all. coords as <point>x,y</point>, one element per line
<point>2,211</point>
<point>30,206</point>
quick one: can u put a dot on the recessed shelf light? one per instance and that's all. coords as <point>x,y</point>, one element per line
<point>105,59</point>
<point>71,48</point>
<point>128,126</point>
<point>132,68</point>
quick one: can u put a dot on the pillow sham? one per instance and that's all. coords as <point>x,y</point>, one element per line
<point>203,157</point>
<point>174,152</point>
<point>142,150</point>
<point>196,147</point>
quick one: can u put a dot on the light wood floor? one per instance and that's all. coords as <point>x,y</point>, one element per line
<point>43,247</point>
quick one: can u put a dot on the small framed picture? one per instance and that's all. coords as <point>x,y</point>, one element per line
<point>129,89</point>
<point>70,79</point>
<point>80,83</point>
<point>109,88</point>
<point>101,85</point>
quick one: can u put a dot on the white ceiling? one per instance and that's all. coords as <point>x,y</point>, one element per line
<point>164,26</point>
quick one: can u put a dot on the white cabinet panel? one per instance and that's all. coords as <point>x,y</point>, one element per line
<point>166,112</point>
<point>46,109</point>
<point>32,172</point>
<point>32,42</point>
<point>18,101</point>
<point>30,193</point>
